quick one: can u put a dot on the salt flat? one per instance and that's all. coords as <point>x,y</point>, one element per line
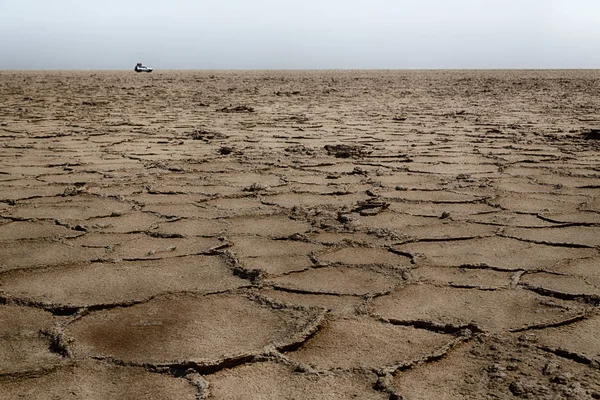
<point>299,234</point>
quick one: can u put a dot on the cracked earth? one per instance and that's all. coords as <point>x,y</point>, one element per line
<point>300,235</point>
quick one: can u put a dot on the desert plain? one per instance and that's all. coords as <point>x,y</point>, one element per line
<point>299,235</point>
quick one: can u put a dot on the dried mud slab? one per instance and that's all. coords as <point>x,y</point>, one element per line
<point>390,220</point>
<point>116,283</point>
<point>364,256</point>
<point>536,203</point>
<point>351,343</point>
<point>336,280</point>
<point>581,217</point>
<point>173,211</point>
<point>245,179</point>
<point>23,346</point>
<point>333,303</point>
<point>462,277</point>
<point>208,331</point>
<point>407,181</point>
<point>277,265</point>
<point>261,247</point>
<point>31,254</point>
<point>500,370</point>
<point>509,219</point>
<point>449,231</point>
<point>17,191</point>
<point>125,223</point>
<point>237,207</point>
<point>434,196</point>
<point>24,354</point>
<point>455,210</point>
<point>313,200</point>
<point>578,341</point>
<point>452,169</point>
<point>172,199</point>
<point>27,230</point>
<point>565,287</point>
<point>107,241</point>
<point>496,252</point>
<point>269,226</point>
<point>90,380</point>
<point>588,269</point>
<point>275,381</point>
<point>353,238</point>
<point>524,184</point>
<point>192,227</point>
<point>569,236</point>
<point>274,256</point>
<point>68,208</point>
<point>489,310</point>
<point>145,247</point>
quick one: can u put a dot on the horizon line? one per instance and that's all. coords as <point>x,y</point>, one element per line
<point>301,69</point>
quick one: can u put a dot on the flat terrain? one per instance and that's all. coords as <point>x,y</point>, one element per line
<point>300,235</point>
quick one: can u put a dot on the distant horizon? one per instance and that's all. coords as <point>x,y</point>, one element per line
<point>294,69</point>
<point>300,34</point>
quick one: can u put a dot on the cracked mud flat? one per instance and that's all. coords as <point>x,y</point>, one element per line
<point>299,235</point>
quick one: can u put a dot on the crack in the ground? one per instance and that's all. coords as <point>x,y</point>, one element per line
<point>213,251</point>
<point>403,253</point>
<point>586,298</point>
<point>443,351</point>
<point>58,342</point>
<point>547,243</point>
<point>564,224</point>
<point>27,374</point>
<point>458,330</point>
<point>69,310</point>
<point>545,325</point>
<point>255,276</point>
<point>484,266</point>
<point>447,239</point>
<point>325,293</point>
<point>180,369</point>
<point>569,355</point>
<point>476,287</point>
<point>79,311</point>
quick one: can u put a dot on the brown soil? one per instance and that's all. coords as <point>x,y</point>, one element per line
<point>300,235</point>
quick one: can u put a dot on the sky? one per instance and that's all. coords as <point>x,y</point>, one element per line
<point>299,34</point>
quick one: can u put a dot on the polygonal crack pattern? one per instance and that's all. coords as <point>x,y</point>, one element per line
<point>489,310</point>
<point>267,380</point>
<point>376,235</point>
<point>207,331</point>
<point>499,369</point>
<point>25,342</point>
<point>354,343</point>
<point>88,380</point>
<point>120,282</point>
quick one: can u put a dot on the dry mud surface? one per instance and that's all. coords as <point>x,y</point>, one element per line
<point>300,235</point>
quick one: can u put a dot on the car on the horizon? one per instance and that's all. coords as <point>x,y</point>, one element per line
<point>142,68</point>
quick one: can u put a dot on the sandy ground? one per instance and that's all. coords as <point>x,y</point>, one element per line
<point>299,235</point>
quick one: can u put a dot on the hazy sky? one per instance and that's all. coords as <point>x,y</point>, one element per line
<point>274,34</point>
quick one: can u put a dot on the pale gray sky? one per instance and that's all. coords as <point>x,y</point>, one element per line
<point>297,34</point>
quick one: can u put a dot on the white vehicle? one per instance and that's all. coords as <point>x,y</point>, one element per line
<point>142,68</point>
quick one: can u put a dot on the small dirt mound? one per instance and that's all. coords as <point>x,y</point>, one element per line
<point>200,133</point>
<point>287,93</point>
<point>592,134</point>
<point>300,149</point>
<point>237,109</point>
<point>346,151</point>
